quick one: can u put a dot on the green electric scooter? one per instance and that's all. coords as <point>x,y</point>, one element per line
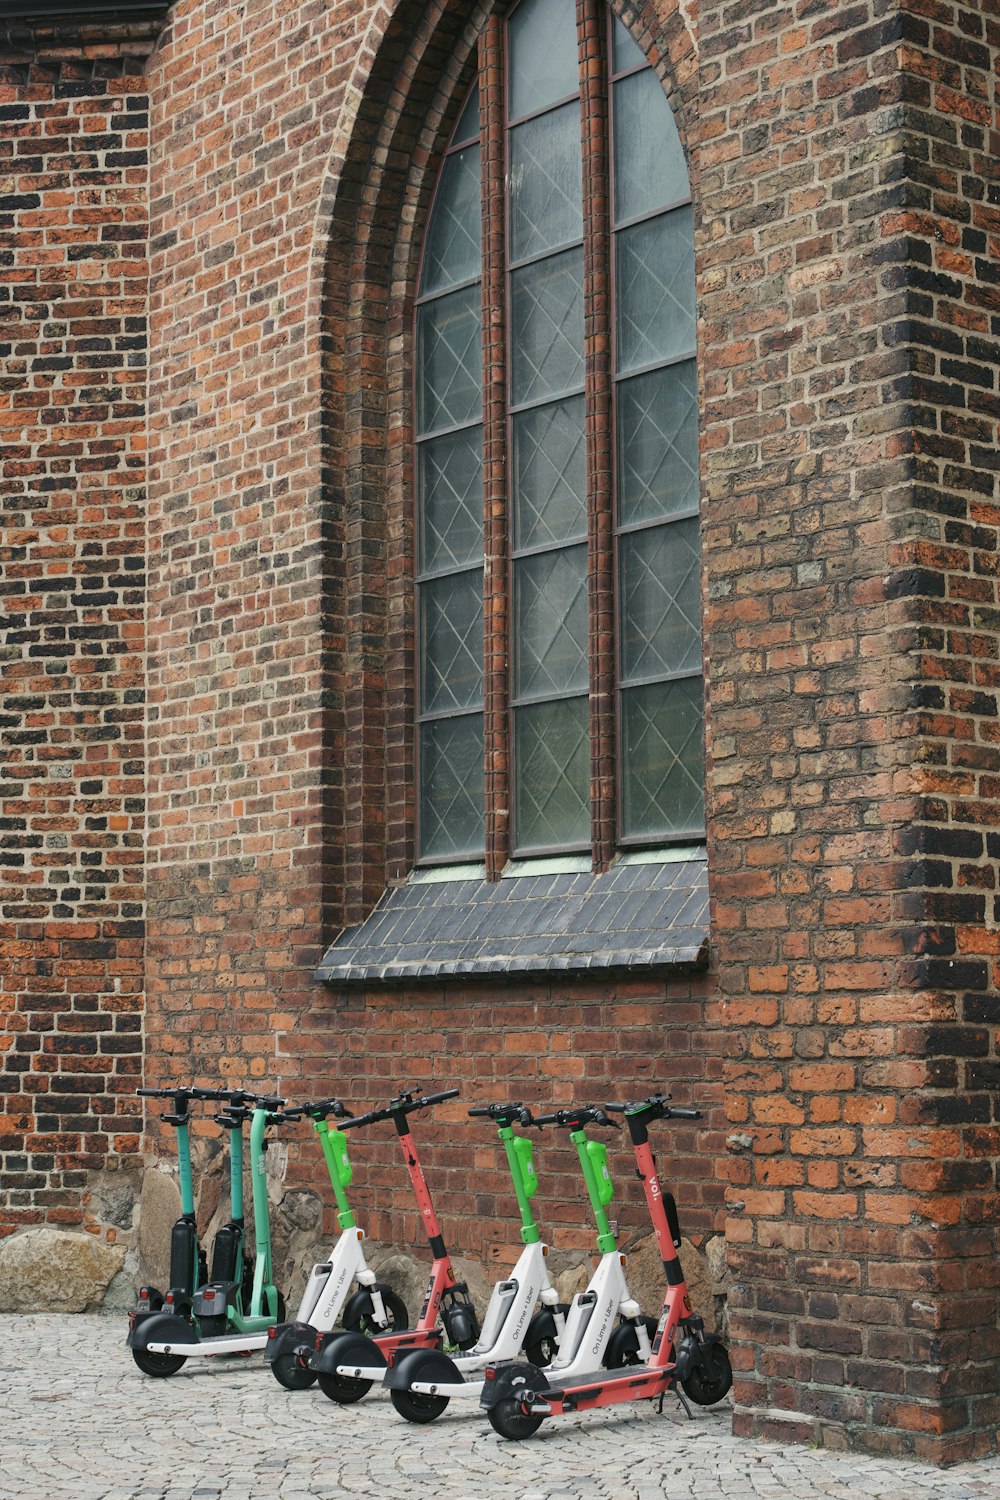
<point>231,1313</point>
<point>187,1261</point>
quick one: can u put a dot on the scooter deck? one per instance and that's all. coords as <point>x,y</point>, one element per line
<point>636,1381</point>
<point>237,1343</point>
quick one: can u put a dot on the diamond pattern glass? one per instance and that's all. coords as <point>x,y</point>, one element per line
<point>550,614</point>
<point>546,318</point>
<point>662,760</point>
<point>452,245</point>
<point>552,775</point>
<point>550,474</point>
<point>452,799</point>
<point>545,183</point>
<point>625,53</point>
<point>468,125</point>
<point>451,638</point>
<point>450,491</point>
<point>541,37</point>
<point>660,600</point>
<point>657,444</point>
<point>655,290</point>
<point>650,170</point>
<point>449,361</point>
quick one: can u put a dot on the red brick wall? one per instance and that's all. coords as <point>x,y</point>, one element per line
<point>850,540</point>
<point>73,223</point>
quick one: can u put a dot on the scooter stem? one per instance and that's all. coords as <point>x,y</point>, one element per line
<point>184,1170</point>
<point>345,1215</point>
<point>529,1230</point>
<point>606,1240</point>
<point>236,1171</point>
<point>261,1210</point>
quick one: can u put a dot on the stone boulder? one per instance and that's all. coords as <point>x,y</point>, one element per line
<point>48,1270</point>
<point>646,1281</point>
<point>159,1206</point>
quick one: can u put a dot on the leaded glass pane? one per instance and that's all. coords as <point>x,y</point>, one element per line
<point>662,759</point>
<point>449,361</point>
<point>552,774</point>
<point>625,53</point>
<point>650,170</point>
<point>468,125</point>
<point>450,487</point>
<point>546,317</point>
<point>543,56</point>
<point>550,615</point>
<point>452,822</point>
<point>655,290</point>
<point>451,249</point>
<point>550,474</point>
<point>660,600</point>
<point>657,444</point>
<point>545,183</point>
<point>451,637</point>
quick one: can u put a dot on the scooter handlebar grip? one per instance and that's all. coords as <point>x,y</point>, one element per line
<point>683,1114</point>
<point>427,1099</point>
<point>368,1119</point>
<point>545,1119</point>
<point>480,1109</point>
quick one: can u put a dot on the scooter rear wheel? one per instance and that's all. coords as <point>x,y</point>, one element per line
<point>415,1406</point>
<point>289,1371</point>
<point>343,1388</point>
<point>158,1364</point>
<point>507,1417</point>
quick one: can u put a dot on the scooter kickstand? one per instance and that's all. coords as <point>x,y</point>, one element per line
<point>680,1396</point>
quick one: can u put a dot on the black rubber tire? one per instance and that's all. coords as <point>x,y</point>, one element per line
<point>399,1318</point>
<point>624,1350</point>
<point>417,1407</point>
<point>509,1421</point>
<point>289,1371</point>
<point>344,1388</point>
<point>545,1350</point>
<point>709,1382</point>
<point>159,1365</point>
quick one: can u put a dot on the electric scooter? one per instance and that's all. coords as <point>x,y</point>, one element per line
<point>374,1307</point>
<point>223,1319</point>
<point>187,1261</point>
<point>349,1363</point>
<point>422,1381</point>
<point>519,1397</point>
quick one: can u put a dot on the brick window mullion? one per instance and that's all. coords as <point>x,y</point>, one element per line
<point>591,32</point>
<point>495,578</point>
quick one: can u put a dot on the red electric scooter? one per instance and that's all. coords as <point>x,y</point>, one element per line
<point>348,1362</point>
<point>518,1397</point>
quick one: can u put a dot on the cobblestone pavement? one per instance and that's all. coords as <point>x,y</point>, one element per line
<point>80,1422</point>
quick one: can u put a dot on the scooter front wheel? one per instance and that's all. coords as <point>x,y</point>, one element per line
<point>344,1388</point>
<point>710,1380</point>
<point>415,1406</point>
<point>289,1371</point>
<point>158,1364</point>
<point>364,1321</point>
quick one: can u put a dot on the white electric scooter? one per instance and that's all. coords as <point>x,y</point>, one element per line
<point>373,1308</point>
<point>422,1382</point>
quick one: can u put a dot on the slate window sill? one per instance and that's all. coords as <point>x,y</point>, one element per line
<point>643,914</point>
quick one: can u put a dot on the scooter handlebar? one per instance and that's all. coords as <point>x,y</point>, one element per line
<point>657,1106</point>
<point>575,1117</point>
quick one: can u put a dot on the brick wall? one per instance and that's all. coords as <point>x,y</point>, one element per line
<point>73,269</point>
<point>850,538</point>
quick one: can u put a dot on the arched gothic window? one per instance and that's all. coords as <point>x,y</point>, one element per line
<point>567,499</point>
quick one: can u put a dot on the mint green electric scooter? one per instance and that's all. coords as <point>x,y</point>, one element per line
<point>231,1313</point>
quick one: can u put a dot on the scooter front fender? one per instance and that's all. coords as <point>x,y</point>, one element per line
<point>296,1339</point>
<point>424,1365</point>
<point>161,1328</point>
<point>354,1349</point>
